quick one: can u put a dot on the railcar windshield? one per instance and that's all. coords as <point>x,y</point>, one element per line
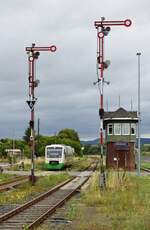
<point>54,152</point>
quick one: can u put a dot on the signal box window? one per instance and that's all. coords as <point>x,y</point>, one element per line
<point>117,129</point>
<point>133,129</point>
<point>110,129</point>
<point>125,129</point>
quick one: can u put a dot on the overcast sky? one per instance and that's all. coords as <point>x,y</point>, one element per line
<point>66,95</point>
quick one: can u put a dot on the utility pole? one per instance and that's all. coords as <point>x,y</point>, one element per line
<point>33,54</point>
<point>131,104</point>
<point>13,146</point>
<point>103,28</point>
<point>38,133</point>
<point>119,101</point>
<point>139,114</point>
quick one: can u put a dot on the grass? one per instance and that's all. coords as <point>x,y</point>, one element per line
<point>4,160</point>
<point>39,165</point>
<point>124,205</point>
<point>77,164</point>
<point>145,153</point>
<point>6,177</point>
<point>25,191</point>
<point>145,165</point>
<point>80,163</point>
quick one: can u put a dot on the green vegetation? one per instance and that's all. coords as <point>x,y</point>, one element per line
<point>8,144</point>
<point>124,205</point>
<point>145,153</point>
<point>145,165</point>
<point>77,164</point>
<point>27,134</point>
<point>6,177</point>
<point>80,163</point>
<point>65,136</point>
<point>39,165</point>
<point>25,191</point>
<point>145,148</point>
<point>92,149</point>
<point>69,134</point>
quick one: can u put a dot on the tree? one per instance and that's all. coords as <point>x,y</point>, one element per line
<point>65,136</point>
<point>69,137</point>
<point>26,137</point>
<point>91,150</point>
<point>69,134</point>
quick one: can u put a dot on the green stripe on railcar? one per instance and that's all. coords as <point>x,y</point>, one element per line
<point>54,166</point>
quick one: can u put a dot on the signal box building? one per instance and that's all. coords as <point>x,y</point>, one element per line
<point>120,128</point>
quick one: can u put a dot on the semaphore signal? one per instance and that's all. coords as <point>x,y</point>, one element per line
<point>33,54</point>
<point>103,28</point>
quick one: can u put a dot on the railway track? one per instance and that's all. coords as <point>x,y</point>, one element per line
<point>145,170</point>
<point>13,183</point>
<point>33,213</point>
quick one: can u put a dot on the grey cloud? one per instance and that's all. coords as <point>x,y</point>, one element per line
<point>66,95</point>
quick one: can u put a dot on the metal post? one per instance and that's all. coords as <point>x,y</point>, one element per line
<point>139,116</point>
<point>33,54</point>
<point>101,65</point>
<point>38,133</point>
<point>13,146</point>
<point>32,136</point>
<point>100,59</point>
<point>32,98</point>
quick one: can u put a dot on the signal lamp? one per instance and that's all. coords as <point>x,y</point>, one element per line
<point>31,123</point>
<point>102,19</point>
<point>98,59</point>
<point>36,83</point>
<point>36,55</point>
<point>106,30</point>
<point>106,64</point>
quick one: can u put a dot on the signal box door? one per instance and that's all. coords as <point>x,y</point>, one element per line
<point>120,159</point>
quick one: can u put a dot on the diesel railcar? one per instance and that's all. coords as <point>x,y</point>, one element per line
<point>56,156</point>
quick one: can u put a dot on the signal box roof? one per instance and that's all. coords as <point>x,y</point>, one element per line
<point>121,114</point>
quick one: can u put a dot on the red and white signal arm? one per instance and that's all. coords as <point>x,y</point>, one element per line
<point>42,48</point>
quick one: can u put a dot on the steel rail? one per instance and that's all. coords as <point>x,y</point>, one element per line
<point>60,203</point>
<point>30,203</point>
<point>57,205</point>
<point>14,179</point>
<point>61,195</point>
<point>8,185</point>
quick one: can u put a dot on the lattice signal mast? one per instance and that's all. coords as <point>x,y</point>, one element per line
<point>103,28</point>
<point>33,54</point>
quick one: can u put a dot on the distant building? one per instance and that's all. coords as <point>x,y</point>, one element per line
<point>120,128</point>
<point>13,153</point>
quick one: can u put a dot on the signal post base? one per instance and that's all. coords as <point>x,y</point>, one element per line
<point>32,179</point>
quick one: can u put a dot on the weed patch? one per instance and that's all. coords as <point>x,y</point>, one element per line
<point>124,205</point>
<point>26,191</point>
